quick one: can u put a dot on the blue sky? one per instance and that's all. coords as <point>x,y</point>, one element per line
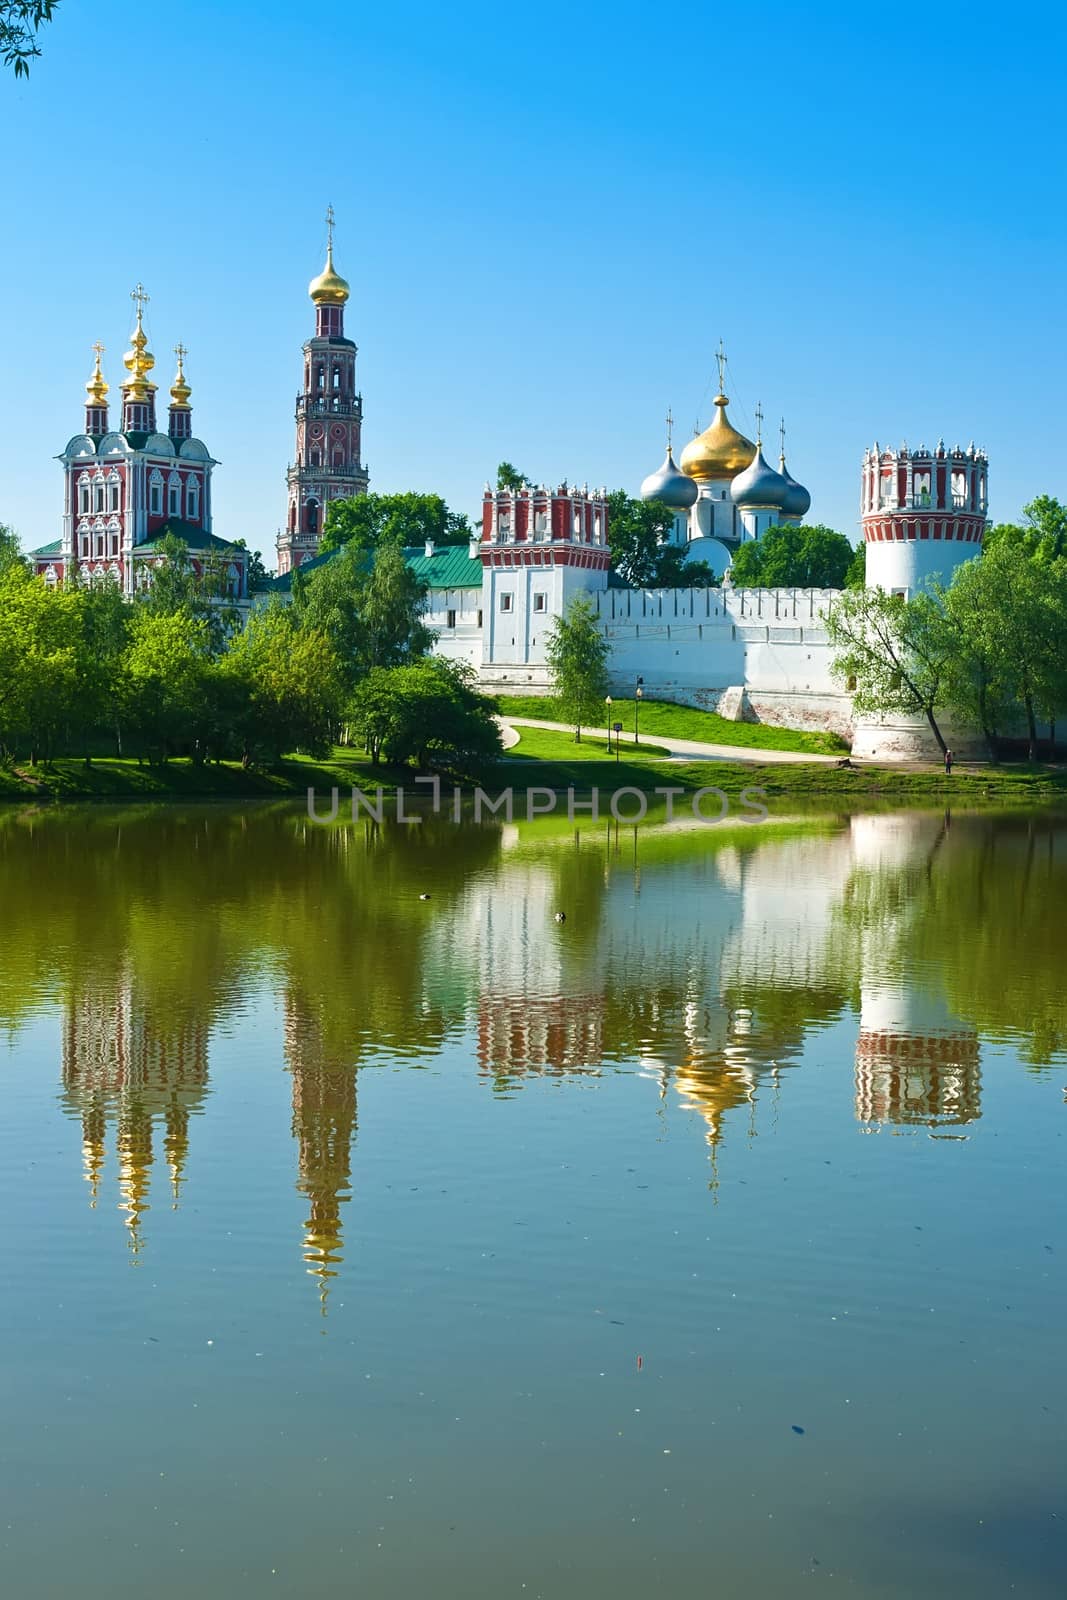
<point>548,217</point>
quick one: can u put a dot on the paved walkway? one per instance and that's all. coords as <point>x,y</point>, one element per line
<point>681,749</point>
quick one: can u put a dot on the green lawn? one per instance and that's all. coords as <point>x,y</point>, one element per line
<point>550,761</point>
<point>547,744</point>
<point>668,720</point>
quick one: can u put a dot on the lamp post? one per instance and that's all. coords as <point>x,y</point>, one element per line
<point>607,702</point>
<point>638,693</point>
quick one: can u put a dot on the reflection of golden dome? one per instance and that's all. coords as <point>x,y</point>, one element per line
<point>329,288</point>
<point>720,451</point>
<point>96,388</point>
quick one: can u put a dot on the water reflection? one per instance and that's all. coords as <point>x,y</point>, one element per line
<point>706,962</point>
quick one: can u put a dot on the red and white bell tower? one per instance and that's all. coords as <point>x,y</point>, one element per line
<point>329,421</point>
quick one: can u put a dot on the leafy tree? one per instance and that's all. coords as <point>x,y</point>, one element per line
<point>794,555</point>
<point>164,673</point>
<point>577,654</point>
<point>856,576</point>
<point>391,606</point>
<point>895,650</point>
<point>975,686</point>
<point>429,712</point>
<point>20,23</point>
<point>369,607</point>
<point>282,679</point>
<point>509,477</point>
<point>40,658</point>
<point>637,534</point>
<point>1024,592</point>
<point>10,549</point>
<point>105,630</point>
<point>257,571</point>
<point>177,586</point>
<point>406,519</point>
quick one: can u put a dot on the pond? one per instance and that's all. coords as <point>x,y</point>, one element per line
<point>369,1230</point>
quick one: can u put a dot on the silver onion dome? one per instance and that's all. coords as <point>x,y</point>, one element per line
<point>760,486</point>
<point>670,487</point>
<point>798,501</point>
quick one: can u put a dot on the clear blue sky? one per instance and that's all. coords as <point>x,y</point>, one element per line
<point>548,216</point>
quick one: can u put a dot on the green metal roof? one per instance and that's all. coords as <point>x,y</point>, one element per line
<point>451,567</point>
<point>191,536</point>
<point>46,551</point>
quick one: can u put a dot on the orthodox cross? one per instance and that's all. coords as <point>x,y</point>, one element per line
<point>781,437</point>
<point>140,298</point>
<point>670,431</point>
<point>759,423</point>
<point>181,352</point>
<point>720,356</point>
<point>329,228</point>
<point>98,349</point>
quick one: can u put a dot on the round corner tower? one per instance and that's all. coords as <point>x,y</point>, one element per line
<point>924,512</point>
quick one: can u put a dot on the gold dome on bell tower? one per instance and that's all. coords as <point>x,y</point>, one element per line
<point>329,288</point>
<point>138,359</point>
<point>97,387</point>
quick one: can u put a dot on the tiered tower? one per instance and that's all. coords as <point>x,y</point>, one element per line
<point>329,420</point>
<point>924,512</point>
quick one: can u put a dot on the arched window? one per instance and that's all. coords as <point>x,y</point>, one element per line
<point>292,516</point>
<point>336,379</point>
<point>114,489</point>
<point>959,489</point>
<point>155,494</point>
<point>174,495</point>
<point>316,458</point>
<point>84,547</point>
<point>98,494</point>
<point>192,500</point>
<point>313,516</point>
<point>320,377</point>
<point>83,495</point>
<point>338,460</point>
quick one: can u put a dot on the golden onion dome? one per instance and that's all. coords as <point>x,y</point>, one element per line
<point>329,288</point>
<point>720,451</point>
<point>138,362</point>
<point>97,388</point>
<point>179,389</point>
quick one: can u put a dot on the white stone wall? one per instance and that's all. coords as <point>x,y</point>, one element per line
<point>455,615</point>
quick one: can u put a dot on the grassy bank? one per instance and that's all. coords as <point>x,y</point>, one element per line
<point>665,719</point>
<point>581,767</point>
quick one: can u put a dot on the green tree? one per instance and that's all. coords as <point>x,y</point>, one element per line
<point>370,607</point>
<point>10,549</point>
<point>794,556</point>
<point>637,534</point>
<point>20,23</point>
<point>509,477</point>
<point>40,660</point>
<point>428,712</point>
<point>105,630</point>
<point>177,585</point>
<point>257,571</point>
<point>282,680</point>
<point>406,519</point>
<point>163,679</point>
<point>975,685</point>
<point>577,654</point>
<point>895,651</point>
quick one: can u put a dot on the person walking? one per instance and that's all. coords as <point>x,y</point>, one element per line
<point>948,763</point>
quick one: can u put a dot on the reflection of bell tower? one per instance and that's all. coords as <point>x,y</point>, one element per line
<point>324,1124</point>
<point>117,1069</point>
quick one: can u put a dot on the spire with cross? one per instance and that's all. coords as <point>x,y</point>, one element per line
<point>329,230</point>
<point>759,425</point>
<point>140,298</point>
<point>720,357</point>
<point>670,431</point>
<point>781,441</point>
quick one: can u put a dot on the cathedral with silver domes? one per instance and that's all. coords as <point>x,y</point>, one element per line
<point>724,491</point>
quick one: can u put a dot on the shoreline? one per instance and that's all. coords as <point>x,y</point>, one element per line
<point>68,781</point>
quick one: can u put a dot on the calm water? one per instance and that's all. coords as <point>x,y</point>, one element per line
<point>711,1242</point>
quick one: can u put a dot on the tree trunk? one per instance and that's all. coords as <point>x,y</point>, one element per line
<point>1031,723</point>
<point>935,730</point>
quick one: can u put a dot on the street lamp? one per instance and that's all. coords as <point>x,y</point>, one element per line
<point>607,702</point>
<point>638,693</point>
